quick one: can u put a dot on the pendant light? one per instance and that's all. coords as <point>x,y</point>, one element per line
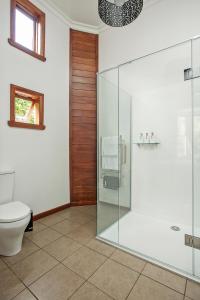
<point>119,13</point>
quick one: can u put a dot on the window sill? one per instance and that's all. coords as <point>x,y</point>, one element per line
<point>26,50</point>
<point>25,125</point>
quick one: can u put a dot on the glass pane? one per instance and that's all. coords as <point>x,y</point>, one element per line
<point>161,157</point>
<point>196,148</point>
<point>25,111</point>
<point>108,160</point>
<point>24,30</point>
<point>125,99</point>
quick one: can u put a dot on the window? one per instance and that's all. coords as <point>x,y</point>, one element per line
<point>26,108</point>
<point>27,28</point>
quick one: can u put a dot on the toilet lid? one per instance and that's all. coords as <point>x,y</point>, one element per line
<point>13,211</point>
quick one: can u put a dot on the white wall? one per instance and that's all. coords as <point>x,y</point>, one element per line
<point>160,25</point>
<point>40,158</point>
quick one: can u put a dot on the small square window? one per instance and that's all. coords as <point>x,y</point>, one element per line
<point>26,108</point>
<point>28,28</point>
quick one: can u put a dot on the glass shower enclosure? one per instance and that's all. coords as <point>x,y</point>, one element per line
<point>149,157</point>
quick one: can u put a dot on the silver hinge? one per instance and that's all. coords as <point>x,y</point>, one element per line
<point>192,241</point>
<point>188,74</point>
<point>191,73</point>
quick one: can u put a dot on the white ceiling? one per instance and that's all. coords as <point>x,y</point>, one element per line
<point>80,11</point>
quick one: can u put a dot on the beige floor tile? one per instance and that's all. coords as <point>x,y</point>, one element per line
<point>37,227</point>
<point>80,218</point>
<point>148,289</point>
<point>91,227</point>
<point>10,285</point>
<point>81,235</point>
<point>186,298</point>
<point>88,209</point>
<point>25,295</point>
<point>62,248</point>
<point>165,277</point>
<point>3,266</point>
<point>92,210</point>
<point>51,220</point>
<point>101,247</point>
<point>89,292</point>
<point>45,237</point>
<point>66,213</point>
<point>129,260</point>
<point>114,279</point>
<point>84,262</point>
<point>34,266</point>
<point>65,226</point>
<point>28,247</point>
<point>75,208</point>
<point>58,284</point>
<point>193,290</point>
<point>109,214</point>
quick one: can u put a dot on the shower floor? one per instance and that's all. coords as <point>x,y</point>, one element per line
<point>152,238</point>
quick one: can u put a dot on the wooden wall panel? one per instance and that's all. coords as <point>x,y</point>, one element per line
<point>83,120</point>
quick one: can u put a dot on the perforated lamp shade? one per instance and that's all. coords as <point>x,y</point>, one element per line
<point>116,15</point>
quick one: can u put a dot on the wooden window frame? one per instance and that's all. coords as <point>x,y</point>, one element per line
<point>38,16</point>
<point>28,95</point>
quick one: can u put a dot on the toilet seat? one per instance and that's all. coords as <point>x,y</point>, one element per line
<point>13,211</point>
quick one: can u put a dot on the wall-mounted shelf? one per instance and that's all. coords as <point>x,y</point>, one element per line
<point>148,138</point>
<point>146,143</point>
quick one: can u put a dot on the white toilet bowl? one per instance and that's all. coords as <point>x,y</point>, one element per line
<point>14,218</point>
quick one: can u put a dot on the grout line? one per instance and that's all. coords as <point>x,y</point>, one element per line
<point>65,219</point>
<point>28,285</point>
<point>120,263</point>
<point>162,284</point>
<point>18,279</point>
<point>87,280</point>
<point>33,294</point>
<point>61,261</point>
<point>137,280</point>
<point>33,233</point>
<point>140,274</point>
<point>22,259</point>
<point>133,286</point>
<point>185,287</point>
<point>24,291</point>
<point>13,298</point>
<point>41,248</point>
<point>101,290</point>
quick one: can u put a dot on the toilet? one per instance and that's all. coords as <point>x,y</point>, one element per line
<point>14,218</point>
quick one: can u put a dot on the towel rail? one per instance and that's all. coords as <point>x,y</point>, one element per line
<point>7,172</point>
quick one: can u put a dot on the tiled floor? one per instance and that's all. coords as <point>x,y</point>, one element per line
<point>62,260</point>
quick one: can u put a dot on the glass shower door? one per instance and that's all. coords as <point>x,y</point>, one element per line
<point>125,129</point>
<point>108,157</point>
<point>161,163</point>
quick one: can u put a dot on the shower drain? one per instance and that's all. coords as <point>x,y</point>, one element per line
<point>175,228</point>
